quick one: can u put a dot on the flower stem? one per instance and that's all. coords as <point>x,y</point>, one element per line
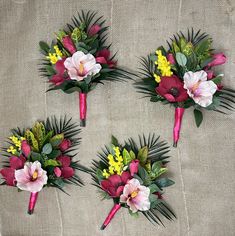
<point>82,108</point>
<point>32,202</point>
<point>110,216</point>
<point>179,112</point>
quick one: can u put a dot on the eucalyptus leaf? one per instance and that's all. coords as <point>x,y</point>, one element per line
<point>55,153</point>
<point>35,156</point>
<point>181,59</point>
<point>59,182</point>
<point>47,148</point>
<point>153,188</point>
<point>164,182</point>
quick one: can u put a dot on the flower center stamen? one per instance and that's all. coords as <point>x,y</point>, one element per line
<point>35,175</point>
<point>174,92</point>
<point>195,86</point>
<point>135,193</point>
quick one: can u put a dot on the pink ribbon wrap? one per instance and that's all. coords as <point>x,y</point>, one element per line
<point>179,112</point>
<point>110,216</point>
<point>83,108</point>
<point>32,202</point>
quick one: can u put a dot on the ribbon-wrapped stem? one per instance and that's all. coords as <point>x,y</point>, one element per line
<point>32,202</point>
<point>110,216</point>
<point>179,112</point>
<point>83,108</point>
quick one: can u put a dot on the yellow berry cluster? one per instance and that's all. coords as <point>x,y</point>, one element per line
<point>54,57</point>
<point>163,66</point>
<point>17,144</point>
<point>116,164</point>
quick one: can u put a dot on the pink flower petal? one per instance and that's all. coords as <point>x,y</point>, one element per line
<point>103,53</point>
<point>68,44</point>
<point>9,175</point>
<point>115,180</point>
<point>65,144</point>
<point>59,66</point>
<point>101,60</point>
<point>125,176</point>
<point>57,171</point>
<point>119,191</point>
<point>16,162</point>
<point>57,80</point>
<point>64,160</point>
<point>94,29</point>
<point>67,172</point>
<point>169,97</point>
<point>25,148</point>
<point>134,167</point>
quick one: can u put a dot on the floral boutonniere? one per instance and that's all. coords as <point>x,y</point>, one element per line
<point>131,175</point>
<point>79,58</point>
<point>42,156</point>
<point>183,76</point>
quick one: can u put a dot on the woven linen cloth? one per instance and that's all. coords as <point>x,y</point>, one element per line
<point>203,165</point>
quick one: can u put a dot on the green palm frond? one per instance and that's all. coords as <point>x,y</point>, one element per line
<point>226,99</point>
<point>161,208</point>
<point>157,149</point>
<point>194,37</point>
<point>146,84</point>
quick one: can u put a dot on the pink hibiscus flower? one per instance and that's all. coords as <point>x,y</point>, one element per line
<point>32,178</point>
<point>136,196</point>
<point>81,65</point>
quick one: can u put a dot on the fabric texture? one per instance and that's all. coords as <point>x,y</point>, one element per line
<point>203,165</point>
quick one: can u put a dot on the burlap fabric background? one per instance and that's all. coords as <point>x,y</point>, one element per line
<point>203,165</point>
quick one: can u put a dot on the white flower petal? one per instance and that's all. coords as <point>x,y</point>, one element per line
<point>77,57</point>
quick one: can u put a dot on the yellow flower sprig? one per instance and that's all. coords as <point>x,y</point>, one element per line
<point>57,55</point>
<point>116,164</point>
<point>17,144</point>
<point>163,65</point>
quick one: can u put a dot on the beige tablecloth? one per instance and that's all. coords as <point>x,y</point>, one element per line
<point>203,165</point>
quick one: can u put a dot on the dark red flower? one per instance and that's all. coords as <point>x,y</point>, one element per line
<point>59,66</point>
<point>57,79</point>
<point>170,58</point>
<point>94,29</point>
<point>25,147</point>
<point>134,165</point>
<point>218,59</point>
<point>65,144</point>
<point>103,57</point>
<point>114,185</point>
<point>66,170</point>
<point>172,88</point>
<point>9,173</point>
<point>68,44</point>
